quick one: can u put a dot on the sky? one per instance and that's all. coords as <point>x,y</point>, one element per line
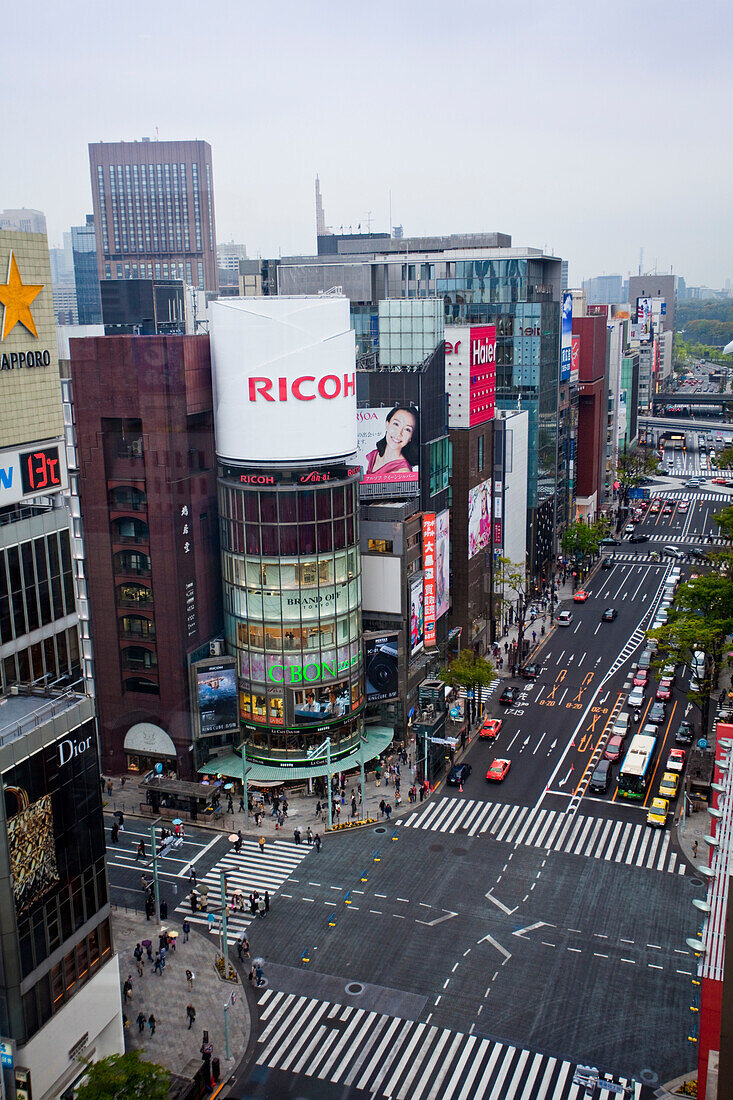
<point>587,129</point>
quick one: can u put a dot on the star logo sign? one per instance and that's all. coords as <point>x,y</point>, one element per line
<point>16,297</point>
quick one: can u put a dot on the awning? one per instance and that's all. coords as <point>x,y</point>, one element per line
<point>149,740</point>
<point>378,738</point>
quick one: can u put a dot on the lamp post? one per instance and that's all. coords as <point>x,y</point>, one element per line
<point>244,781</point>
<point>362,743</point>
<point>313,754</point>
<point>156,885</point>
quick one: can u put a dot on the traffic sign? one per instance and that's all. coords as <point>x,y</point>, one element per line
<point>611,1086</point>
<point>6,1053</point>
<point>702,743</point>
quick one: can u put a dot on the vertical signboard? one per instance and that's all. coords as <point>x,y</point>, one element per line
<point>428,561</point>
<point>574,360</point>
<point>566,336</point>
<point>416,616</point>
<point>442,563</point>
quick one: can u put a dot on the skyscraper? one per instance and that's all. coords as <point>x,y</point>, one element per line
<point>154,210</point>
<point>86,274</point>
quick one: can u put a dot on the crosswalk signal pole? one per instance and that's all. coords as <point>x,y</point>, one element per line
<point>330,792</point>
<point>244,781</point>
<point>156,885</point>
<point>361,774</point>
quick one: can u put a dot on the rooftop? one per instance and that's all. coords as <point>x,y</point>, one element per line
<point>26,711</point>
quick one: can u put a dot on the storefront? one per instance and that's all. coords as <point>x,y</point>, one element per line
<point>147,745</point>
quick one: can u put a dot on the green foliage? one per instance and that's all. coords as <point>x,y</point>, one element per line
<point>582,540</point>
<point>125,1077</point>
<point>724,518</point>
<point>469,670</point>
<point>633,466</point>
<point>705,309</point>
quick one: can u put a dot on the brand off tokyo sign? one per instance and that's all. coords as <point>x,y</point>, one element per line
<point>284,376</point>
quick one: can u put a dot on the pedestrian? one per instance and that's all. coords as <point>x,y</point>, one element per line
<point>140,854</point>
<point>694,850</point>
<point>309,835</point>
<point>261,907</point>
<point>318,808</point>
<point>149,908</point>
<point>186,930</point>
<point>245,947</point>
<point>211,920</point>
<point>240,807</point>
<point>139,965</point>
<point>422,791</point>
<point>157,969</point>
<point>261,843</point>
<point>252,905</point>
<point>149,949</point>
<point>194,899</point>
<point>377,775</point>
<point>230,805</point>
<point>164,910</point>
<point>238,842</point>
<point>114,832</point>
<point>240,950</point>
<point>109,786</point>
<point>296,834</point>
<point>189,978</point>
<point>141,1021</point>
<point>382,807</point>
<point>388,810</point>
<point>127,989</point>
<point>151,1024</point>
<point>353,807</point>
<point>191,1013</point>
<point>192,877</point>
<point>317,842</point>
<point>121,820</point>
<point>267,901</point>
<point>138,952</point>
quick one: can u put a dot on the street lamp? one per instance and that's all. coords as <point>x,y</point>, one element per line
<point>313,754</point>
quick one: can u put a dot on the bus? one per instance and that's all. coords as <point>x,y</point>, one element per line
<point>635,774</point>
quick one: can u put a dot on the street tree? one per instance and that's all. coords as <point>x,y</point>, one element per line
<point>632,467</point>
<point>581,541</point>
<point>511,580</point>
<point>469,671</point>
<point>125,1077</point>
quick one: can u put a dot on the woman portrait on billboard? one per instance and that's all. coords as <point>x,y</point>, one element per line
<point>398,451</point>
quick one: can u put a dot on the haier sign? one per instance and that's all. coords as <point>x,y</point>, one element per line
<point>36,471</point>
<point>470,371</point>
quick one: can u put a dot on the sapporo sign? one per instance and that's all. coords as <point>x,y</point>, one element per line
<point>16,298</point>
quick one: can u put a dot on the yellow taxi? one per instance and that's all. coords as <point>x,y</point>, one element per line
<point>668,785</point>
<point>657,813</point>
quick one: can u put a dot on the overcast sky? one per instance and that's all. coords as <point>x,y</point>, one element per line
<point>588,129</point>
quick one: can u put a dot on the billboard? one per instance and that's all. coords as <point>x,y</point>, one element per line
<point>479,518</point>
<point>442,563</point>
<point>575,360</point>
<point>417,621</point>
<point>382,676</point>
<point>428,561</point>
<point>38,471</point>
<point>216,691</point>
<point>470,373</point>
<point>644,317</point>
<point>388,445</point>
<point>566,336</point>
<point>285,368</point>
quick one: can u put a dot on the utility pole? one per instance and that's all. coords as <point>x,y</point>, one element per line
<point>156,886</point>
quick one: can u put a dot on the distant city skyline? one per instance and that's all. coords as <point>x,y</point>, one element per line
<point>588,136</point>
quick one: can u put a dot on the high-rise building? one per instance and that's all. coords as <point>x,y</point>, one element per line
<point>154,211</point>
<point>228,257</point>
<point>662,290</point>
<point>64,284</point>
<point>602,290</point>
<point>86,275</point>
<point>23,221</point>
<point>591,355</point>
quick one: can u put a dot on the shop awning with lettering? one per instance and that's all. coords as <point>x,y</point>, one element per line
<point>149,740</point>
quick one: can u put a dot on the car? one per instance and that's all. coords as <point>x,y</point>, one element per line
<point>620,725</point>
<point>601,777</point>
<point>693,483</point>
<point>668,510</point>
<point>498,770</point>
<point>664,691</point>
<point>530,672</point>
<point>719,481</point>
<point>657,813</point>
<point>458,775</point>
<point>674,552</point>
<point>564,618</point>
<point>641,677</point>
<point>580,596</point>
<point>614,748</point>
<point>675,760</point>
<point>682,506</point>
<point>655,506</point>
<point>509,695</point>
<point>629,529</point>
<point>609,541</point>
<point>490,729</point>
<point>668,785</point>
<point>639,538</point>
<point>607,563</point>
<point>609,615</point>
<point>662,614</point>
<point>645,660</point>
<point>698,554</point>
<point>636,698</point>
<point>657,713</point>
<point>668,671</point>
<point>685,733</point>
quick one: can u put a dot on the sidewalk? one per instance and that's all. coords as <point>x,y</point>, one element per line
<point>167,996</point>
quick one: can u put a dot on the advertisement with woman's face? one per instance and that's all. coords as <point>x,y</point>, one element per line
<point>479,518</point>
<point>442,563</point>
<point>388,444</point>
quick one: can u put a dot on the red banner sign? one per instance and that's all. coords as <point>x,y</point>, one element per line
<point>428,563</point>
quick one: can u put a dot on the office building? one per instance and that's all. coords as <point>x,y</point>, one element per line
<point>60,986</point>
<point>143,422</point>
<point>227,258</point>
<point>591,355</point>
<point>154,211</point>
<point>86,275</point>
<point>64,284</point>
<point>604,290</point>
<point>23,221</point>
<point>661,293</point>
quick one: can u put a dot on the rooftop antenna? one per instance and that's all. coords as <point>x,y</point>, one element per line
<point>390,211</point>
<point>157,134</point>
<point>641,261</point>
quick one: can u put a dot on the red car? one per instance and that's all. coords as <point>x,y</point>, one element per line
<point>641,677</point>
<point>675,761</point>
<point>490,729</point>
<point>614,748</point>
<point>719,481</point>
<point>664,691</point>
<point>580,596</point>
<point>499,770</point>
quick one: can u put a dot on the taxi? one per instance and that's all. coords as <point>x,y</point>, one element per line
<point>675,760</point>
<point>668,785</point>
<point>580,596</point>
<point>657,813</point>
<point>490,729</point>
<point>498,771</point>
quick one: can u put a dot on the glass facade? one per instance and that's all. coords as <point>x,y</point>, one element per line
<point>292,606</point>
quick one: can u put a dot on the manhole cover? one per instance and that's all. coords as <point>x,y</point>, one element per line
<point>436,847</point>
<point>459,851</point>
<point>354,988</point>
<point>695,881</point>
<point>380,829</point>
<point>649,1077</point>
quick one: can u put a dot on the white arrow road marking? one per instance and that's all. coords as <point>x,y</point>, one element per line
<point>564,781</point>
<point>502,950</point>
<point>500,905</point>
<point>438,920</point>
<point>531,927</point>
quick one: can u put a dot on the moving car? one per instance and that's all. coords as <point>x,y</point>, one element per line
<point>685,733</point>
<point>620,725</point>
<point>490,729</point>
<point>614,748</point>
<point>509,695</point>
<point>601,776</point>
<point>641,677</point>
<point>564,618</point>
<point>657,713</point>
<point>580,596</point>
<point>629,529</point>
<point>639,538</point>
<point>657,815</point>
<point>607,563</point>
<point>498,770</point>
<point>673,552</point>
<point>609,615</point>
<point>719,481</point>
<point>530,672</point>
<point>458,775</point>
<point>664,691</point>
<point>675,760</point>
<point>636,698</point>
<point>668,785</point>
<point>696,552</point>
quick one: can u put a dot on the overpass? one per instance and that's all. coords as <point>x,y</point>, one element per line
<point>724,401</point>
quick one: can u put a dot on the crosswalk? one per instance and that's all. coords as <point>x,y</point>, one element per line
<point>700,496</point>
<point>407,1059</point>
<point>247,871</point>
<point>632,843</point>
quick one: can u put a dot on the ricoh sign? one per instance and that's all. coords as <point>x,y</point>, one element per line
<point>284,376</point>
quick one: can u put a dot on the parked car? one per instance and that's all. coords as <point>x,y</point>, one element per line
<point>530,672</point>
<point>645,660</point>
<point>458,775</point>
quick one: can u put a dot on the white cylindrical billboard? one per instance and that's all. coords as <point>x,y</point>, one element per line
<point>284,376</point>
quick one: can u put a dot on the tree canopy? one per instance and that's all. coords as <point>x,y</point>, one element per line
<point>125,1077</point>
<point>633,466</point>
<point>469,670</point>
<point>582,540</point>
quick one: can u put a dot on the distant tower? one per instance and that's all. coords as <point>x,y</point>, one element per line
<point>321,230</point>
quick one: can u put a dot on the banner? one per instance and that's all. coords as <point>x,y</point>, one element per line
<point>442,563</point>
<point>428,560</point>
<point>479,518</point>
<point>388,445</point>
<point>566,336</point>
<point>416,616</point>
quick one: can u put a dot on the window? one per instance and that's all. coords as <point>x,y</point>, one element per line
<point>380,546</point>
<point>480,453</point>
